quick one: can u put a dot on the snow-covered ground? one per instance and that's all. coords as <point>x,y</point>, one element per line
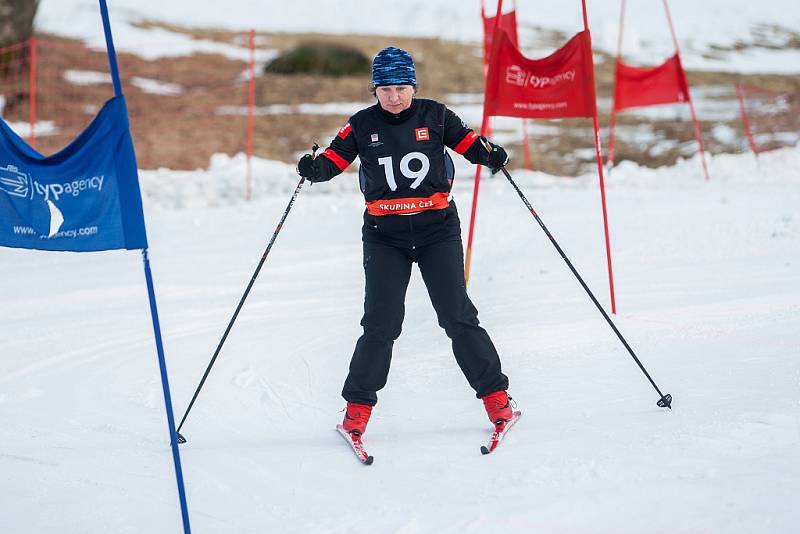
<point>707,289</point>
<point>708,31</point>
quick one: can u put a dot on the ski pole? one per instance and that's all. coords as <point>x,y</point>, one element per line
<point>181,439</point>
<point>665,401</point>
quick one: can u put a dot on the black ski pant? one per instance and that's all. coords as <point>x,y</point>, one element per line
<point>388,269</point>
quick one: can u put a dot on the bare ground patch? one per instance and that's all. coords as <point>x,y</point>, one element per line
<point>181,131</point>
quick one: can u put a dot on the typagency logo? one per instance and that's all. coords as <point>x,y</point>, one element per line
<point>516,75</point>
<point>15,183</point>
<point>20,184</point>
<point>70,188</point>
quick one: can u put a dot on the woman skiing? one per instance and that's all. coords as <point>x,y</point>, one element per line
<point>406,177</point>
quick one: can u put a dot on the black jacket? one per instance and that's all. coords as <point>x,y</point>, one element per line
<point>405,174</point>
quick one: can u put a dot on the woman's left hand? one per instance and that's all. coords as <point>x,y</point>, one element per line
<point>497,159</point>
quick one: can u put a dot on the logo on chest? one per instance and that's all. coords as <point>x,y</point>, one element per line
<point>422,134</point>
<point>374,141</point>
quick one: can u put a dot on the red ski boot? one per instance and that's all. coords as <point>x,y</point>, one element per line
<point>498,407</point>
<point>356,418</point>
<point>355,422</point>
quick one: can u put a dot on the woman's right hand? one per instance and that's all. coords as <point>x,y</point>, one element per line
<point>309,168</point>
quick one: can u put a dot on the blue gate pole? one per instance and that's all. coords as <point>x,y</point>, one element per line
<point>162,364</point>
<point>112,54</point>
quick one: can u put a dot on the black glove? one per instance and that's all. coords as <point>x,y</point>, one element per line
<point>309,168</point>
<point>497,158</point>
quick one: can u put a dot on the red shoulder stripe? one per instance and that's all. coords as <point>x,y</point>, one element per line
<point>345,131</point>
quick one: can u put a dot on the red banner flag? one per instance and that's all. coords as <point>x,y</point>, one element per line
<point>557,86</point>
<point>508,23</point>
<point>650,86</point>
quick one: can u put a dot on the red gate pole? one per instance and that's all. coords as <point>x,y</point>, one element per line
<point>696,125</point>
<point>596,125</point>
<point>484,129</point>
<point>745,121</point>
<point>611,138</point>
<point>473,212</point>
<point>251,103</point>
<point>32,90</point>
<point>613,125</point>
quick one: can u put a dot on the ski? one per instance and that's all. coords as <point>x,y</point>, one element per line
<point>499,433</point>
<point>355,443</point>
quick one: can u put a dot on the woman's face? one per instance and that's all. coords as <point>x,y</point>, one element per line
<point>395,98</point>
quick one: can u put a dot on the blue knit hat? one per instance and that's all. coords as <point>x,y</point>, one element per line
<point>393,66</point>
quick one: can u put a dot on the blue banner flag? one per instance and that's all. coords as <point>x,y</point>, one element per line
<point>84,198</point>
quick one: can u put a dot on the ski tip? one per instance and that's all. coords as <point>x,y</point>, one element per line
<point>484,450</point>
<point>368,461</point>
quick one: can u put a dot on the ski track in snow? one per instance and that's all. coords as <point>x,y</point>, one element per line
<point>707,290</point>
<point>706,284</point>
